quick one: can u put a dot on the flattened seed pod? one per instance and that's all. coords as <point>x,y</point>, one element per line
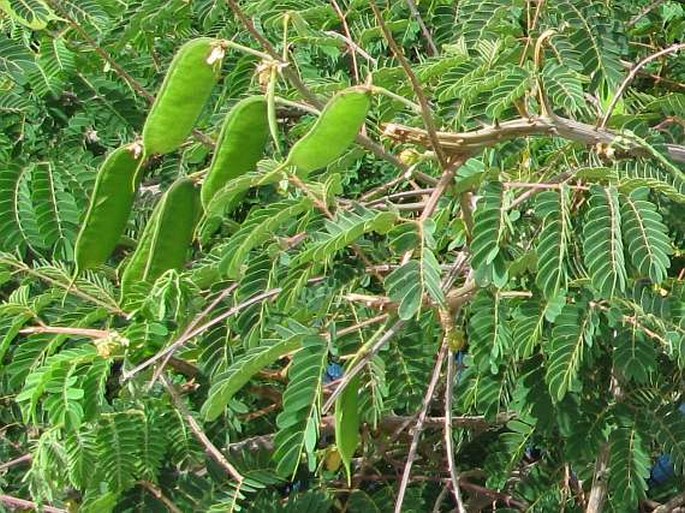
<point>334,131</point>
<point>164,242</point>
<point>135,268</point>
<point>188,84</point>
<point>240,146</point>
<point>175,228</point>
<point>110,206</point>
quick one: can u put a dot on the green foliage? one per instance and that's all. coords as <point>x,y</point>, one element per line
<point>298,423</point>
<point>603,243</point>
<point>407,284</point>
<point>548,242</point>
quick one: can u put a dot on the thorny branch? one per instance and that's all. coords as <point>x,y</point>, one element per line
<point>477,140</point>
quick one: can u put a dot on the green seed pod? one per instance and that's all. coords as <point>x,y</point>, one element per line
<point>334,131</point>
<point>347,423</point>
<point>240,146</point>
<point>166,237</point>
<point>135,268</point>
<point>188,84</point>
<point>110,206</point>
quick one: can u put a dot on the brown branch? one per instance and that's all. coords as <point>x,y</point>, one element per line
<point>391,424</point>
<point>477,140</point>
<point>644,12</point>
<point>350,43</point>
<point>399,195</point>
<point>507,500</point>
<point>65,330</point>
<point>675,502</point>
<point>26,458</point>
<point>418,427</point>
<point>210,448</point>
<point>193,324</point>
<point>600,482</point>
<point>14,502</point>
<point>449,442</point>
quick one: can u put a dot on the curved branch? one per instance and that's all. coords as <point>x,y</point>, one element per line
<point>477,140</point>
<point>631,76</point>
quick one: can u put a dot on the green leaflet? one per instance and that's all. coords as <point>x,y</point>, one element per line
<point>257,229</point>
<point>342,231</point>
<point>227,384</point>
<point>34,15</point>
<point>490,338</point>
<point>298,423</point>
<point>511,87</point>
<point>347,421</point>
<point>490,229</point>
<point>603,242</point>
<point>407,284</point>
<point>629,466</point>
<point>552,244</point>
<point>645,236</point>
<point>573,332</point>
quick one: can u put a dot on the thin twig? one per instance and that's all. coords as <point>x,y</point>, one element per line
<point>201,329</point>
<point>441,498</point>
<point>193,324</point>
<point>416,85</point>
<point>621,89</point>
<point>558,179</point>
<point>644,12</point>
<point>545,186</point>
<point>65,330</point>
<point>210,448</point>
<point>418,428</point>
<point>675,502</point>
<point>157,493</point>
<point>433,49</point>
<point>445,181</point>
<point>399,195</point>
<point>351,45</point>
<point>394,424</point>
<point>26,458</point>
<point>362,324</point>
<point>507,500</point>
<point>15,502</point>
<point>454,298</point>
<point>449,442</point>
<point>357,368</point>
